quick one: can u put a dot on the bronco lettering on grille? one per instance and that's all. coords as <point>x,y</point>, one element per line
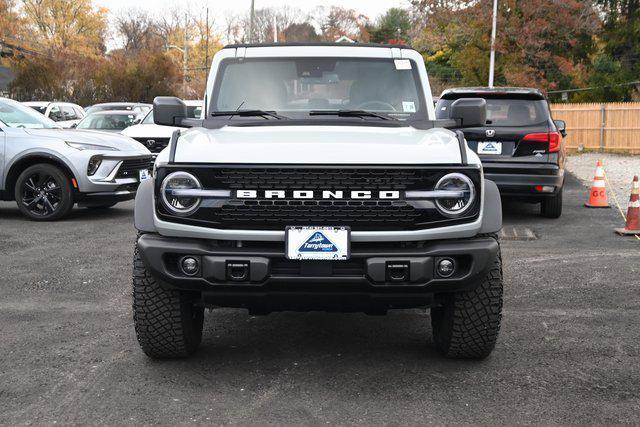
<point>310,194</point>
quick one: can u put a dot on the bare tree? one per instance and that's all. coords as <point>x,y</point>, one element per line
<point>138,31</point>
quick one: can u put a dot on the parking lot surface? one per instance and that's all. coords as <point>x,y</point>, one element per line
<point>568,352</point>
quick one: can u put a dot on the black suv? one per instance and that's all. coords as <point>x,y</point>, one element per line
<point>520,147</point>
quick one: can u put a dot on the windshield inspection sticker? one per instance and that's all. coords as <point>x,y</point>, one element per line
<point>402,64</point>
<point>408,106</point>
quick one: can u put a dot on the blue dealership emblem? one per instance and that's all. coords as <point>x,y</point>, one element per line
<point>490,147</point>
<point>318,242</point>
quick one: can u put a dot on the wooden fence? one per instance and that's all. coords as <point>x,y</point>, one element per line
<point>611,127</point>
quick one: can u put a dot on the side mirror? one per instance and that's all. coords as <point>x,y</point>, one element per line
<point>561,126</point>
<point>169,111</point>
<point>74,125</point>
<point>469,112</point>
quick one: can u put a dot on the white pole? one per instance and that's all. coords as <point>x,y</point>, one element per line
<point>275,29</point>
<point>185,57</point>
<point>492,57</point>
<point>252,17</point>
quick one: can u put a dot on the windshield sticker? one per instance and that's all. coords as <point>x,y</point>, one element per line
<point>408,106</point>
<point>402,64</point>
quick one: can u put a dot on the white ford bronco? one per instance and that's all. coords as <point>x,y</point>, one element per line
<point>318,178</point>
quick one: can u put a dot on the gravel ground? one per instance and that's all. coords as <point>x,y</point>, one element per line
<point>619,170</point>
<point>567,353</point>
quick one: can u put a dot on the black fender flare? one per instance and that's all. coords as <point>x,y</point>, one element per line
<point>144,207</point>
<point>492,214</point>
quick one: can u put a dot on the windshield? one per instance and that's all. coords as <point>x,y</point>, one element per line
<point>505,112</point>
<point>107,121</point>
<point>300,85</point>
<point>39,109</point>
<point>16,115</point>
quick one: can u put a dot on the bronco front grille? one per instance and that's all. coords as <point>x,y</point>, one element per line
<point>312,179</point>
<point>276,214</point>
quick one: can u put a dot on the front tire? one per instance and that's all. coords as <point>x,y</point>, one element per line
<point>43,193</point>
<point>551,207</point>
<point>467,323</point>
<point>167,323</point>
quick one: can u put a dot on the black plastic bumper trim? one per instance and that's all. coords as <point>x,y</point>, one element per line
<point>158,253</point>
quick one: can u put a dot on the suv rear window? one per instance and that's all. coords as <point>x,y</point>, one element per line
<point>505,112</point>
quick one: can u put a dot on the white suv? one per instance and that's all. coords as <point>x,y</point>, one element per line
<point>318,178</point>
<point>156,137</point>
<point>65,114</point>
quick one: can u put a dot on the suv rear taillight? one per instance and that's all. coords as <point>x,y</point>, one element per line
<point>552,138</point>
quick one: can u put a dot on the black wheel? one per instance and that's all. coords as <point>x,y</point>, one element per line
<point>43,193</point>
<point>551,207</point>
<point>167,323</point>
<point>466,325</point>
<point>102,206</point>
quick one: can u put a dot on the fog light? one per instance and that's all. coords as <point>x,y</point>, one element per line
<point>446,267</point>
<point>189,266</point>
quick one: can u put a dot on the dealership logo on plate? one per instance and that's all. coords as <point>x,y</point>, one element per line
<point>490,147</point>
<point>318,242</point>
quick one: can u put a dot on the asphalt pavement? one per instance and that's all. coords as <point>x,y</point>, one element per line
<point>568,351</point>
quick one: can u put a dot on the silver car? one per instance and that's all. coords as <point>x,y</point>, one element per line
<point>47,170</point>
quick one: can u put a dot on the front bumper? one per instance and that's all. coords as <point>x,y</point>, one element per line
<point>275,283</point>
<point>121,193</point>
<point>521,179</point>
<point>108,179</point>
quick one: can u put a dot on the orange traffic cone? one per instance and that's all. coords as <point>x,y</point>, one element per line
<point>633,213</point>
<point>598,195</point>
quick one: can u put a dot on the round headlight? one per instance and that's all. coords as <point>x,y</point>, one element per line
<point>461,184</point>
<point>173,197</point>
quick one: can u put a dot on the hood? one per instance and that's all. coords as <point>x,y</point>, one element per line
<point>114,140</point>
<point>319,145</point>
<point>149,131</point>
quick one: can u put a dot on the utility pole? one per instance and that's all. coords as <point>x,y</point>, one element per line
<point>185,58</point>
<point>206,55</point>
<point>492,57</point>
<point>252,17</point>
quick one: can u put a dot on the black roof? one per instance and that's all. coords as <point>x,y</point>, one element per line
<point>356,44</point>
<point>493,92</point>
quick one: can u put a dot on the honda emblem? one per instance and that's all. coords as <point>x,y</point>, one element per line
<point>490,133</point>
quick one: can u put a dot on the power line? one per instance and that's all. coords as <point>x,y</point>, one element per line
<point>634,83</point>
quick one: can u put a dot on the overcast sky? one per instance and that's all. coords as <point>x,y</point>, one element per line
<point>370,8</point>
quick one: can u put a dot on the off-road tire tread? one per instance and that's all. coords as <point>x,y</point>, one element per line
<point>467,326</point>
<point>162,317</point>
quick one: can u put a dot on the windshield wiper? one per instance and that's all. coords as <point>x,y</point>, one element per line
<point>249,113</point>
<point>350,113</point>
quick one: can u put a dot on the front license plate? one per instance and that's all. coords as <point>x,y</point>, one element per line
<point>318,243</point>
<point>490,147</point>
<point>144,174</point>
